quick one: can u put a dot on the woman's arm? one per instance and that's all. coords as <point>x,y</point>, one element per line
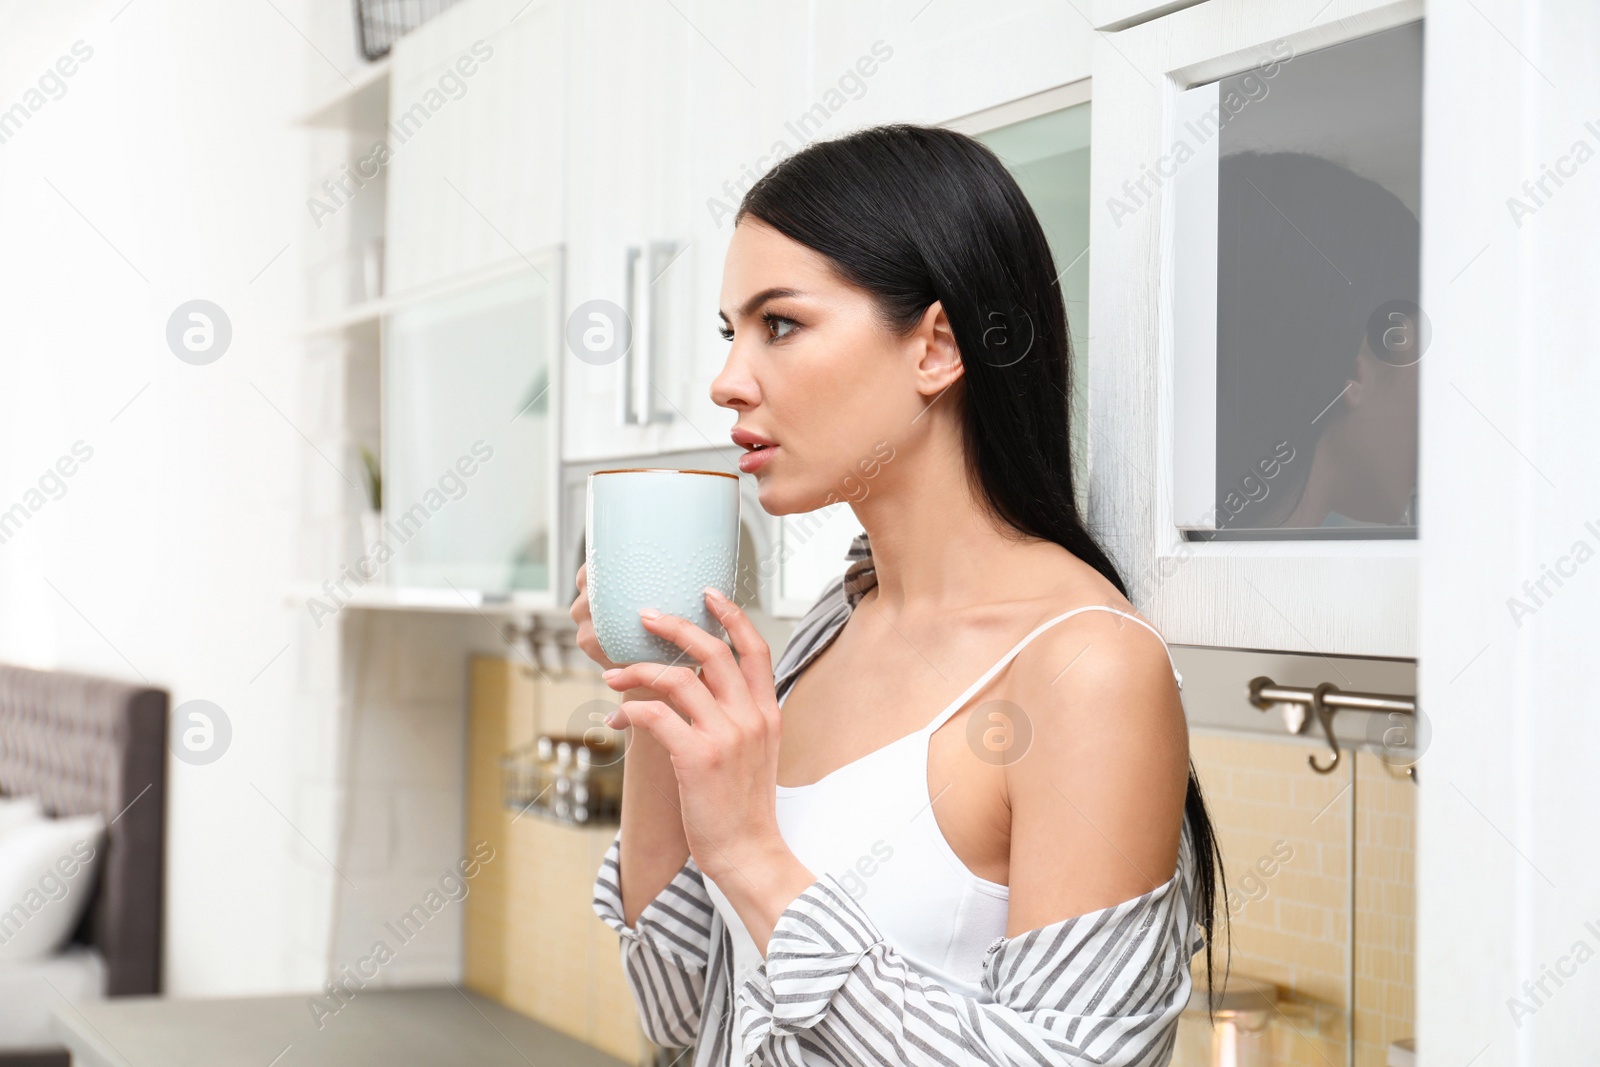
<point>657,847</point>
<point>649,894</point>
<point>664,950</point>
<point>1097,798</point>
<point>654,897</point>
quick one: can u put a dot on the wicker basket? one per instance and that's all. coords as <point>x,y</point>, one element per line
<point>380,23</point>
<point>583,786</point>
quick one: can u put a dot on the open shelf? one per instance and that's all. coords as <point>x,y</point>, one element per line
<point>371,311</point>
<point>362,104</point>
<point>351,319</point>
<point>405,598</point>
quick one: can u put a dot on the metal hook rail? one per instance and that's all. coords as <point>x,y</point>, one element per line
<point>1325,701</point>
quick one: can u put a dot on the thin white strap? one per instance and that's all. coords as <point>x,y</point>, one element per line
<point>972,690</point>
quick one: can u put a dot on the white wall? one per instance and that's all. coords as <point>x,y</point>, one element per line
<point>169,171</point>
<point>1508,872</point>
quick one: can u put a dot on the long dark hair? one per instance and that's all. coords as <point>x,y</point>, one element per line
<point>914,214</point>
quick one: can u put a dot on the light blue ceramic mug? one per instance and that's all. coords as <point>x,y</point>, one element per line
<point>656,537</point>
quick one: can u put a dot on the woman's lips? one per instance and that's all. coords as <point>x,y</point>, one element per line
<point>755,459</point>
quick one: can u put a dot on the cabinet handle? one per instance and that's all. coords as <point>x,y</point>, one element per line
<point>661,254</point>
<point>630,306</point>
<point>637,405</point>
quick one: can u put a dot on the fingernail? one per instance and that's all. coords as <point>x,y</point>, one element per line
<point>650,613</point>
<point>612,671</point>
<point>611,720</point>
<point>715,594</point>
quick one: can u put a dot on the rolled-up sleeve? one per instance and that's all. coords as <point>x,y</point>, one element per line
<point>1102,989</point>
<point>664,955</point>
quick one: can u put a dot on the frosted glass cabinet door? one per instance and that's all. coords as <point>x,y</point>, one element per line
<point>1253,295</point>
<point>1048,155</point>
<point>469,449</point>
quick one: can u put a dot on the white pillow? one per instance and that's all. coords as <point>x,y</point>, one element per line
<point>18,811</point>
<point>47,873</point>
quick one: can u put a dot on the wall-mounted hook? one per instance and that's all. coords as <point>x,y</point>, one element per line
<point>1324,715</point>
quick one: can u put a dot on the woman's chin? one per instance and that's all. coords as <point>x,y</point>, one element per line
<point>779,500</point>
<point>775,497</point>
<point>772,498</point>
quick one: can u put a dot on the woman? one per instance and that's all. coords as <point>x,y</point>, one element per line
<point>1021,878</point>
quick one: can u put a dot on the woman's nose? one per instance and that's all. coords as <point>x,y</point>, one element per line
<point>733,387</point>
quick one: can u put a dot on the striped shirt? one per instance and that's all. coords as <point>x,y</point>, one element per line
<point>1104,988</point>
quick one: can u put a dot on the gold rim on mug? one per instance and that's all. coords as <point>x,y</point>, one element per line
<point>662,470</point>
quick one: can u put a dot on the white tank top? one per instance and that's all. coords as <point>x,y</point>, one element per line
<point>870,823</point>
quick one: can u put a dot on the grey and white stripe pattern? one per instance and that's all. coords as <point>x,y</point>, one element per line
<point>1101,989</point>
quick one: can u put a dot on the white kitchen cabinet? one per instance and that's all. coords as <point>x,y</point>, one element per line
<point>654,82</point>
<point>476,140</point>
<point>1121,14</point>
<point>742,94</point>
<point>627,224</point>
<point>1198,535</point>
<point>940,60</point>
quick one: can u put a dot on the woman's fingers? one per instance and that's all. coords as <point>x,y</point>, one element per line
<point>677,682</point>
<point>755,657</point>
<point>719,672</point>
<point>659,720</point>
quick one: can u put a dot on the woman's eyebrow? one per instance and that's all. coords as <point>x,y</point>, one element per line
<point>749,306</point>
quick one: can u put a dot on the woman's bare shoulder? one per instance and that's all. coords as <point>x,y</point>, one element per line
<point>1104,655</point>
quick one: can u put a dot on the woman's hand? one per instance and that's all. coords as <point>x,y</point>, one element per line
<point>724,751</point>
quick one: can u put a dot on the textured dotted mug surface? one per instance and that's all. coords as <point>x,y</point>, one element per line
<point>655,538</point>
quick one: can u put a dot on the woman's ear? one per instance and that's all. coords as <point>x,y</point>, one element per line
<point>938,357</point>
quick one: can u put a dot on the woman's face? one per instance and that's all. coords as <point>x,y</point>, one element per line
<point>812,368</point>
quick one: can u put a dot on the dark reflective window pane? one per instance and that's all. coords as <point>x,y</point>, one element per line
<point>1318,333</point>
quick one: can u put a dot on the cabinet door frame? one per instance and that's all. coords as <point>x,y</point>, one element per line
<point>1333,597</point>
<point>1076,93</point>
<point>1057,98</point>
<point>550,261</point>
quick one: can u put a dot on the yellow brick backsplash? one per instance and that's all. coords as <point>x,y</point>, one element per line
<point>1291,917</point>
<point>533,942</point>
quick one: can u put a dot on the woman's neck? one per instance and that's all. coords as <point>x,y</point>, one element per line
<point>935,549</point>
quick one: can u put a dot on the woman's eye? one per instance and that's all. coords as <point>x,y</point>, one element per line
<point>725,332</point>
<point>778,327</point>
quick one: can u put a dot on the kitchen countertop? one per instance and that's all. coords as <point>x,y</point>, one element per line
<point>379,1028</point>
